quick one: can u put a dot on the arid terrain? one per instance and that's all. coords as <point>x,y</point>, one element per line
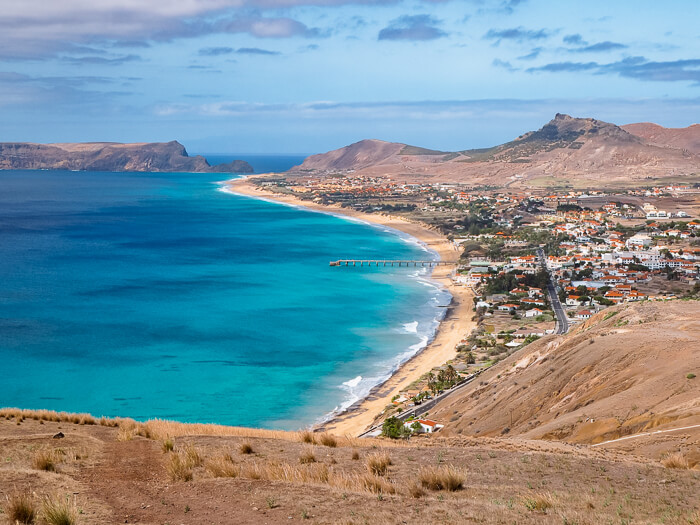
<point>567,150</point>
<point>109,156</point>
<point>624,375</point>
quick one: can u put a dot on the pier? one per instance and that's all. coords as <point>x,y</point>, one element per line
<point>387,262</point>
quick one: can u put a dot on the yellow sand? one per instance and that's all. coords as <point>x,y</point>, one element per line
<point>456,325</point>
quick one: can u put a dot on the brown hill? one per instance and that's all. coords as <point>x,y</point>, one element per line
<point>120,471</point>
<point>566,151</point>
<point>353,157</point>
<point>622,372</point>
<point>110,156</point>
<point>677,138</point>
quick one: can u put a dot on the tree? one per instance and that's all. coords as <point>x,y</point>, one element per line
<point>470,358</point>
<point>393,428</point>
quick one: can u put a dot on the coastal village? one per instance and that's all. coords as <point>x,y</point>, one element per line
<point>597,248</point>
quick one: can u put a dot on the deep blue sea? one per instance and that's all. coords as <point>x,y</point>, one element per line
<point>158,295</point>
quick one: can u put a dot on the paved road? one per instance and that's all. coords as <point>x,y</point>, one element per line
<point>562,322</point>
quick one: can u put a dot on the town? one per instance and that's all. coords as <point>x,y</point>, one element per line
<point>591,249</point>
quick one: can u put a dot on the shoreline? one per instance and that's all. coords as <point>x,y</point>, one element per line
<point>455,325</point>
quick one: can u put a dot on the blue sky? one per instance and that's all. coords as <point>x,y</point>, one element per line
<point>304,76</point>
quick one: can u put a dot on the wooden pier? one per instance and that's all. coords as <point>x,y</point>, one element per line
<point>387,262</point>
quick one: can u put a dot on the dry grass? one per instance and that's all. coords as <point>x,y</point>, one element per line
<point>127,431</point>
<point>378,463</point>
<point>306,436</point>
<point>538,502</point>
<point>375,484</point>
<point>20,508</point>
<point>45,459</point>
<point>168,445</point>
<point>223,467</point>
<point>445,477</point>
<point>58,417</point>
<point>355,455</point>
<point>307,457</point>
<point>675,460</point>
<point>178,468</point>
<point>192,456</point>
<point>415,490</point>
<point>328,440</point>
<point>57,510</point>
<point>245,448</point>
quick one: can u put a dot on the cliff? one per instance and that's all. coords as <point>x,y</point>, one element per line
<point>110,156</point>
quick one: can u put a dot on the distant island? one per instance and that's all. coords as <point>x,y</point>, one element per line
<point>110,156</point>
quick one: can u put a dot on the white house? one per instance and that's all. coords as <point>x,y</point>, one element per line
<point>427,426</point>
<point>534,312</point>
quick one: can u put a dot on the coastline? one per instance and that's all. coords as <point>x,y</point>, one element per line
<point>452,329</point>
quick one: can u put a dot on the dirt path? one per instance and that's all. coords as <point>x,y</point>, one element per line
<point>128,479</point>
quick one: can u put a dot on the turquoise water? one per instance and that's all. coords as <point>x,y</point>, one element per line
<point>158,295</point>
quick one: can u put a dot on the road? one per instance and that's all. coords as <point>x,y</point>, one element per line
<point>562,322</point>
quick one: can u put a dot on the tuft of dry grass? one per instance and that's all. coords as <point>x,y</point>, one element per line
<point>223,467</point>
<point>445,477</point>
<point>675,460</point>
<point>20,508</point>
<point>307,457</point>
<point>378,463</point>
<point>375,484</point>
<point>538,502</point>
<point>306,436</point>
<point>193,458</point>
<point>45,459</point>
<point>245,448</point>
<point>328,440</point>
<point>127,431</point>
<point>178,468</point>
<point>415,490</point>
<point>59,511</point>
<point>355,455</point>
<point>168,445</point>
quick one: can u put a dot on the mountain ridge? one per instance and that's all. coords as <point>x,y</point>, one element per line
<point>586,150</point>
<point>110,156</point>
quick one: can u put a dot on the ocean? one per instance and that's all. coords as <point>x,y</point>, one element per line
<point>151,295</point>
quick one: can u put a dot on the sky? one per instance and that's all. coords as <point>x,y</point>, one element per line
<point>307,76</point>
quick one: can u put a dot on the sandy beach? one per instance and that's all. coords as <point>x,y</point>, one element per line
<point>454,327</point>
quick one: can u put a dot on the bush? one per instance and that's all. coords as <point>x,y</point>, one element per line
<point>307,457</point>
<point>328,440</point>
<point>245,448</point>
<point>446,477</point>
<point>676,460</point>
<point>59,511</point>
<point>306,436</point>
<point>378,463</point>
<point>690,376</point>
<point>20,508</point>
<point>44,460</point>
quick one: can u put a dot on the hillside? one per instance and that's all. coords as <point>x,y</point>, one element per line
<point>677,138</point>
<point>120,471</point>
<point>622,372</point>
<point>109,156</point>
<point>566,151</point>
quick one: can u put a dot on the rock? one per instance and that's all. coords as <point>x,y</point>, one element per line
<point>60,435</point>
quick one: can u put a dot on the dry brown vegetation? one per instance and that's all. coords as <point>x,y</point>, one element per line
<point>378,463</point>
<point>675,460</point>
<point>611,377</point>
<point>59,510</point>
<point>445,477</point>
<point>503,481</point>
<point>19,508</point>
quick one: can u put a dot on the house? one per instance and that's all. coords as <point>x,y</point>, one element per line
<point>507,307</point>
<point>534,312</point>
<point>573,300</point>
<point>427,426</point>
<point>584,314</point>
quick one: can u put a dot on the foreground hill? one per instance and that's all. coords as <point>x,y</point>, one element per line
<point>110,156</point>
<point>624,371</point>
<point>566,151</point>
<point>122,472</point>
